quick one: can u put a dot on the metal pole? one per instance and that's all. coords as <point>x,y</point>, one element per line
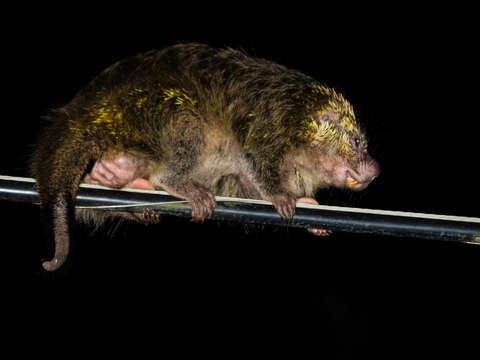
<point>344,219</point>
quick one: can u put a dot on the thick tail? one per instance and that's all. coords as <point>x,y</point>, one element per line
<point>60,213</point>
<point>58,165</point>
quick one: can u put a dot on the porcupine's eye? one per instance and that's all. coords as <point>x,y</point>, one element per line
<point>357,142</point>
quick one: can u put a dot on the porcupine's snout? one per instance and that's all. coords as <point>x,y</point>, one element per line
<point>359,178</point>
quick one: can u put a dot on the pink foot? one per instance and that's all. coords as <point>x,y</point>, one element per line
<point>140,183</point>
<point>117,172</point>
<point>317,232</point>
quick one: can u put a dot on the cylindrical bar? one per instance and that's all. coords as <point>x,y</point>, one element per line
<point>412,225</point>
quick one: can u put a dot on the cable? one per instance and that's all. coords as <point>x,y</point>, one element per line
<point>344,219</point>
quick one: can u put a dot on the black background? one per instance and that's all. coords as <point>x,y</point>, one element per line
<point>218,289</point>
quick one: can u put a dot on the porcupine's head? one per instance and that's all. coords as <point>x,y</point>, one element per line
<point>336,146</point>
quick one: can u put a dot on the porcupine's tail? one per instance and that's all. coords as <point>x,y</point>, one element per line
<point>58,164</point>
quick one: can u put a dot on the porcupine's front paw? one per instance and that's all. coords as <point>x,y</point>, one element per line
<point>284,204</point>
<point>202,201</point>
<point>200,198</point>
<point>317,232</point>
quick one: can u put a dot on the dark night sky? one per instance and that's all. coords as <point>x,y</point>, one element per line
<point>274,291</point>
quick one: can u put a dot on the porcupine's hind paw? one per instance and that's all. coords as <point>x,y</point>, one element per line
<point>148,217</point>
<point>117,172</point>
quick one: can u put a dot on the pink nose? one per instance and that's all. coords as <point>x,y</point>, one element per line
<point>369,171</point>
<point>365,174</point>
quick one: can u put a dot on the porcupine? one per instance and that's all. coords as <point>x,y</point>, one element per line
<point>198,121</point>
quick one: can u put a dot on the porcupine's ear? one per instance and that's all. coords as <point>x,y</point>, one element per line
<point>329,115</point>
